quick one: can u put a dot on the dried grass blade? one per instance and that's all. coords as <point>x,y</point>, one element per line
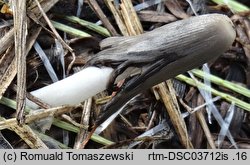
<point>8,60</point>
<point>37,115</point>
<point>96,8</point>
<point>20,33</point>
<point>27,134</point>
<point>175,115</point>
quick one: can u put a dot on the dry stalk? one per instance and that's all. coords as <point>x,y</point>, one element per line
<point>57,36</point>
<point>173,110</point>
<point>8,60</point>
<point>31,138</point>
<point>20,33</point>
<point>96,8</point>
<point>204,125</point>
<point>37,115</point>
<point>82,135</point>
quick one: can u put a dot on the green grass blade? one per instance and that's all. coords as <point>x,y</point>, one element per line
<point>96,28</point>
<point>218,81</point>
<point>70,30</point>
<point>233,5</point>
<point>227,97</point>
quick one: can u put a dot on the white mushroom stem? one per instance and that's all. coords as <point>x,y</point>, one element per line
<point>73,89</point>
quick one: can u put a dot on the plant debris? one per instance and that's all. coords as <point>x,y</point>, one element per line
<point>207,107</point>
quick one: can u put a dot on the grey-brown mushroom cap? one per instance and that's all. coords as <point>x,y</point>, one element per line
<point>208,37</point>
<point>195,41</point>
